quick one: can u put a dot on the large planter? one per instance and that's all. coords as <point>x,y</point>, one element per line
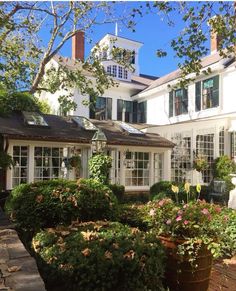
<point>180,274</point>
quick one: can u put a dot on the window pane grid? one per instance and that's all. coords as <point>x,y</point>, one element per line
<point>221,142</point>
<point>205,148</point>
<point>137,169</point>
<point>20,170</point>
<point>49,163</point>
<point>181,158</point>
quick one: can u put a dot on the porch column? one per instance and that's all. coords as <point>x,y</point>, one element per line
<point>122,167</point>
<point>31,164</point>
<point>167,166</point>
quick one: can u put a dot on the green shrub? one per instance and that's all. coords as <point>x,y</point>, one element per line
<point>133,215</point>
<point>222,167</point>
<point>162,186</point>
<point>99,166</point>
<point>136,197</point>
<point>162,190</point>
<point>42,204</point>
<point>229,233</point>
<point>49,203</point>
<point>99,256</point>
<point>95,201</point>
<point>118,190</point>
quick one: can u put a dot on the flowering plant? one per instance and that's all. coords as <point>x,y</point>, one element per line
<point>193,223</point>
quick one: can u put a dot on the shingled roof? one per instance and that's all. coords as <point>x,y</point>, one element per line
<point>206,61</point>
<point>62,130</point>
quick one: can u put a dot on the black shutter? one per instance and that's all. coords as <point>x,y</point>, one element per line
<point>91,108</point>
<point>185,101</point>
<point>198,96</point>
<point>171,104</point>
<point>119,109</point>
<point>109,108</point>
<point>135,112</point>
<point>215,97</point>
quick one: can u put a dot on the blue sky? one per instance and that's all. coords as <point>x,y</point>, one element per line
<point>153,33</point>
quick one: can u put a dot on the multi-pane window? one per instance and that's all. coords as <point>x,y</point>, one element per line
<point>102,109</point>
<point>114,70</point>
<point>158,167</point>
<point>20,170</point>
<point>178,102</point>
<point>137,168</point>
<point>207,93</point>
<point>109,70</point>
<point>205,149</point>
<point>221,142</point>
<point>233,145</point>
<point>49,163</point>
<point>120,72</point>
<point>140,112</point>
<point>124,110</point>
<point>181,159</point>
<point>125,74</point>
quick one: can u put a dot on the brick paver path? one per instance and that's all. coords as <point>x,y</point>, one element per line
<point>223,276</point>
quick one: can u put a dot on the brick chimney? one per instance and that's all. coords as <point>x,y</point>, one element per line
<point>78,46</point>
<point>215,40</point>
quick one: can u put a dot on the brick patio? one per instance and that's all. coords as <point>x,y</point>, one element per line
<point>223,275</point>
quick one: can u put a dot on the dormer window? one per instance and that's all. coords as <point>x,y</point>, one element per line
<point>207,93</point>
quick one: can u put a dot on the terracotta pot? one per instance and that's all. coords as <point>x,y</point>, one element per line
<point>180,275</point>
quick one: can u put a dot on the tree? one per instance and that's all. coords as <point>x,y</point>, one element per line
<point>20,101</point>
<point>24,57</point>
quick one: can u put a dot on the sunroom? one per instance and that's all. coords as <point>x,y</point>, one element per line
<point>42,146</point>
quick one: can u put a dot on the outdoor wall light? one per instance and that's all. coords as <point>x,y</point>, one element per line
<point>99,141</point>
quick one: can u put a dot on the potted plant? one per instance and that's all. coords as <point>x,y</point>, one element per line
<point>191,233</point>
<point>200,164</point>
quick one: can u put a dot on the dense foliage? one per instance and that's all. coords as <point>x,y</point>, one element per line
<point>100,256</point>
<point>99,166</point>
<point>96,201</point>
<point>163,189</point>
<point>222,168</point>
<point>49,203</point>
<point>6,160</point>
<point>196,222</point>
<point>118,190</point>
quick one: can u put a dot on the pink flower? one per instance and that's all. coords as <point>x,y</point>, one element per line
<point>179,218</point>
<point>161,202</point>
<point>168,221</point>
<point>218,209</point>
<point>205,211</point>
<point>186,222</point>
<point>180,212</point>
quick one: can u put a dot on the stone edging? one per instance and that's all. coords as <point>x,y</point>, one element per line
<point>18,270</point>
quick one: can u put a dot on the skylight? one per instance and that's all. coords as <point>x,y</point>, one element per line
<point>129,128</point>
<point>84,122</point>
<point>34,118</point>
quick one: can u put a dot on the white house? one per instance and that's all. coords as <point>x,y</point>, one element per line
<point>200,120</point>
